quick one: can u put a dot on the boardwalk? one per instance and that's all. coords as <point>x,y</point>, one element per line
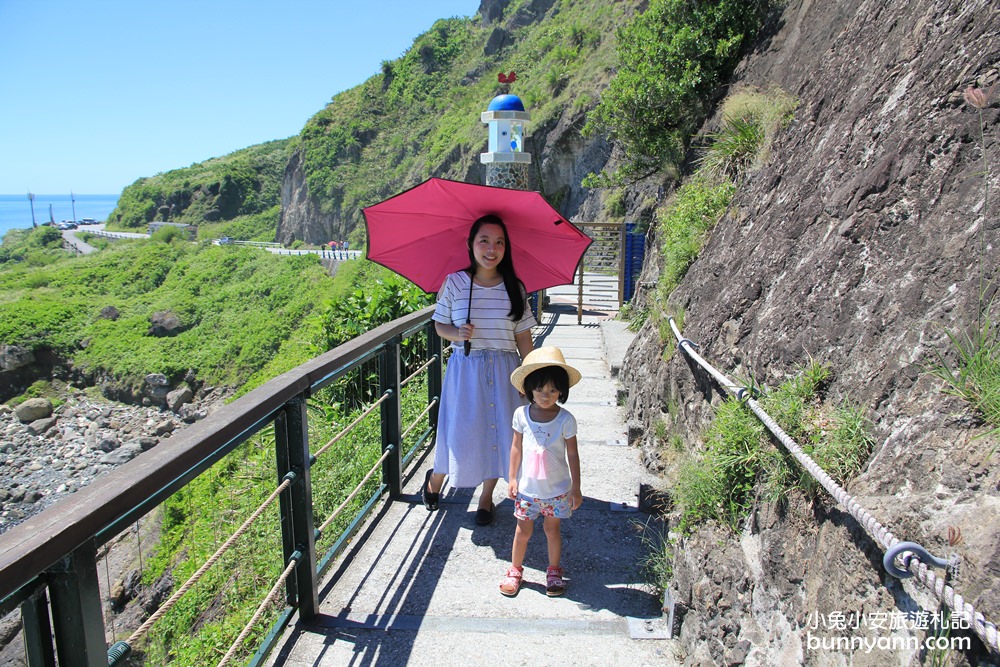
<point>420,588</point>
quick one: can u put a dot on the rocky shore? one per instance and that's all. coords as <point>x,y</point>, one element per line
<point>50,449</point>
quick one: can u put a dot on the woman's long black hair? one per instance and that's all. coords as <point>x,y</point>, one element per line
<point>515,288</point>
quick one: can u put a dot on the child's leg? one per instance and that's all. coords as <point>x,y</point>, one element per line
<point>554,539</point>
<point>522,534</point>
<point>511,583</point>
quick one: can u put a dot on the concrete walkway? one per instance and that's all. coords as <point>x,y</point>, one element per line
<point>420,588</point>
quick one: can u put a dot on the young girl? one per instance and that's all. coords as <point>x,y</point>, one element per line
<point>473,433</point>
<point>544,475</point>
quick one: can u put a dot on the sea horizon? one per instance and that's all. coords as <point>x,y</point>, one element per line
<point>15,210</point>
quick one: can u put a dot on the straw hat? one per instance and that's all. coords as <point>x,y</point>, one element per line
<point>540,358</point>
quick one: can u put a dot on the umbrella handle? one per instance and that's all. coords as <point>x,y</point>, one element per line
<point>468,314</point>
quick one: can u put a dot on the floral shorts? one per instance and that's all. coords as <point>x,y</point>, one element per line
<point>529,509</point>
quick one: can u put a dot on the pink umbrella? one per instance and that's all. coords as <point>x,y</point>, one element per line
<point>421,233</point>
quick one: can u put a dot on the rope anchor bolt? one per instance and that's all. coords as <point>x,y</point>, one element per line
<point>914,550</point>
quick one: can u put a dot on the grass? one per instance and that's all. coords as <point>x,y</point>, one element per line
<point>975,375</point>
<point>657,565</point>
<point>200,517</point>
<point>740,464</point>
<point>751,118</point>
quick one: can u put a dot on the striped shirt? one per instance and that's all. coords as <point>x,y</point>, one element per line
<point>495,329</point>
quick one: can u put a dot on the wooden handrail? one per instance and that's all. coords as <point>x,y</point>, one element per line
<point>115,499</point>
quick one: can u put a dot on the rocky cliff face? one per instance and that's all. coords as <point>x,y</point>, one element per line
<point>858,245</point>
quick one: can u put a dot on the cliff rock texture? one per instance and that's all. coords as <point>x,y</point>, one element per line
<point>861,244</point>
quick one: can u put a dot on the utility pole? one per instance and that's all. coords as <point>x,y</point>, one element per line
<point>73,204</point>
<point>31,198</point>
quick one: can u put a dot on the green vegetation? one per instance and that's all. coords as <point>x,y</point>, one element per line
<point>684,226</point>
<point>975,375</point>
<point>31,247</point>
<point>241,192</point>
<point>200,517</point>
<point>412,121</point>
<point>750,120</point>
<point>658,564</point>
<point>244,315</point>
<point>740,464</point>
<point>674,57</point>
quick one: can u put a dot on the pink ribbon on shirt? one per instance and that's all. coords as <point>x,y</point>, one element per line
<point>534,465</point>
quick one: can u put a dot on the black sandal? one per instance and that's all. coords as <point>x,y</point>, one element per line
<point>430,499</point>
<point>485,517</point>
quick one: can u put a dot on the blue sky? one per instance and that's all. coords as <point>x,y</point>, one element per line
<point>94,95</point>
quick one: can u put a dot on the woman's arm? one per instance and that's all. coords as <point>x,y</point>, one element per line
<point>453,333</point>
<point>524,343</point>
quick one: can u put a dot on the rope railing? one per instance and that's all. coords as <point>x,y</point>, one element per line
<point>347,429</point>
<point>986,630</point>
<point>268,600</point>
<point>420,370</point>
<point>357,489</point>
<point>416,422</point>
<point>121,650</point>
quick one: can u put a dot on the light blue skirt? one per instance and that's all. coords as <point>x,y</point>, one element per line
<point>474,421</point>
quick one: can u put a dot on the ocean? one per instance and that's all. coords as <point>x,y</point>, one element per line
<point>15,210</point>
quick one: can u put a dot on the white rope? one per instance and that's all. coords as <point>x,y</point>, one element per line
<point>357,490</point>
<point>194,578</point>
<point>347,429</point>
<point>271,596</point>
<point>986,630</point>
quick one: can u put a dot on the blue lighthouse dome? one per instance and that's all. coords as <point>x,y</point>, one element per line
<point>506,103</point>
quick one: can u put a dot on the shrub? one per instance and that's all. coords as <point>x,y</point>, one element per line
<point>684,225</point>
<point>750,119</point>
<point>673,58</point>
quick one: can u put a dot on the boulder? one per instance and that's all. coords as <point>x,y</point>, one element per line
<point>179,397</point>
<point>164,323</point>
<point>13,357</point>
<point>40,426</point>
<point>156,387</point>
<point>33,409</point>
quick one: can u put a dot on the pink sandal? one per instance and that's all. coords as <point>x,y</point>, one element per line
<point>511,583</point>
<point>554,584</point>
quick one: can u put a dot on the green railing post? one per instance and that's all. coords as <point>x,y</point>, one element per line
<point>37,631</point>
<point>388,375</point>
<point>291,442</point>
<point>77,617</point>
<point>435,372</point>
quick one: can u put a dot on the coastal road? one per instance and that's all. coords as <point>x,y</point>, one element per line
<point>73,241</point>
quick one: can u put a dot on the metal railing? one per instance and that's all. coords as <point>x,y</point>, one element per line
<point>606,276</point>
<point>48,563</point>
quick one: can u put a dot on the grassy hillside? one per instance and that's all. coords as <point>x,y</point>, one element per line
<point>244,315</point>
<point>235,195</point>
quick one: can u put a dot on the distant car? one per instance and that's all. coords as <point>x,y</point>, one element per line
<point>88,221</point>
<point>67,224</point>
<point>226,240</point>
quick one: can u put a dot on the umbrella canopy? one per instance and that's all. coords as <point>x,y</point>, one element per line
<point>421,233</point>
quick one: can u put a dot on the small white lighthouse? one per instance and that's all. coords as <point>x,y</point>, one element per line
<point>506,162</point>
